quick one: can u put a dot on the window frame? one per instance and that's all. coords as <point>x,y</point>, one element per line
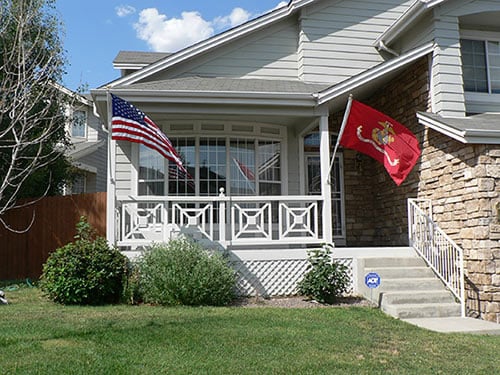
<point>485,38</point>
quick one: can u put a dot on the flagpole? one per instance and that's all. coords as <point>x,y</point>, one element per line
<point>111,190</point>
<point>341,132</point>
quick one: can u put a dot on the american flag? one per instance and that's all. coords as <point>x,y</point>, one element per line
<point>130,124</point>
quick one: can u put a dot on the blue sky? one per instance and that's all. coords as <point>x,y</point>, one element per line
<point>96,30</point>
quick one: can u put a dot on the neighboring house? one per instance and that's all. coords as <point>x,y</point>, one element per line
<point>254,112</point>
<point>89,148</point>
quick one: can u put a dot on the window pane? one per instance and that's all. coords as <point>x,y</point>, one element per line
<point>151,172</point>
<point>474,65</point>
<point>494,61</point>
<point>212,165</point>
<point>79,124</point>
<point>269,161</point>
<point>242,167</point>
<point>178,182</point>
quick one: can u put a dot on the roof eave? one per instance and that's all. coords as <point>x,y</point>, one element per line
<point>467,136</point>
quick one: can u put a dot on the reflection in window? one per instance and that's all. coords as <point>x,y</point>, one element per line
<point>481,65</point>
<point>269,167</point>
<point>254,168</point>
<point>212,165</point>
<point>151,172</point>
<point>79,124</point>
<point>178,182</point>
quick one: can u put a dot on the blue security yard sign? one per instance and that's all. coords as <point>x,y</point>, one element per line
<point>372,280</point>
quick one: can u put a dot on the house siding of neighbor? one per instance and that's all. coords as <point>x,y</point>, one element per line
<point>284,79</point>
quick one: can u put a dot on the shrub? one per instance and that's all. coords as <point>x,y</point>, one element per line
<point>181,272</point>
<point>86,271</point>
<point>326,279</point>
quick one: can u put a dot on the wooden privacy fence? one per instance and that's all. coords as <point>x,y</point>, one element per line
<point>22,255</point>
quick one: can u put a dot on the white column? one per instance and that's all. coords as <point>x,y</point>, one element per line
<point>326,190</point>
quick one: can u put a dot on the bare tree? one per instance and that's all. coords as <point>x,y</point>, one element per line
<point>32,116</point>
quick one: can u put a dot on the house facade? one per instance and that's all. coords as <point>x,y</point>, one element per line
<point>89,147</point>
<point>254,113</point>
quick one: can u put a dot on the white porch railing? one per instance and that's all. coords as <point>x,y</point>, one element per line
<point>228,221</point>
<point>442,254</point>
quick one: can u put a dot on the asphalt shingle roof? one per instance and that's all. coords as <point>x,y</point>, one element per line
<point>221,84</point>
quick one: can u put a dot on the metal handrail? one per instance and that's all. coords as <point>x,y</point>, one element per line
<point>438,250</point>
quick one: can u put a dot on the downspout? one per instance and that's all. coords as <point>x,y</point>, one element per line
<point>382,47</point>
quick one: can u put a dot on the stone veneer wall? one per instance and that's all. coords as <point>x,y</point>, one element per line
<point>376,208</point>
<point>463,182</point>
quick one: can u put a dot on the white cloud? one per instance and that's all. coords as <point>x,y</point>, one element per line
<point>237,17</point>
<point>124,10</point>
<point>281,4</point>
<point>171,34</point>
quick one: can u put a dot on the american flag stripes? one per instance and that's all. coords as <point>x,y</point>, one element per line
<point>130,124</point>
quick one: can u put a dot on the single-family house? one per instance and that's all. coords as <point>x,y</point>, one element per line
<point>255,111</point>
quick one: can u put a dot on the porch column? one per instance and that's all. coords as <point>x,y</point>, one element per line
<point>326,191</point>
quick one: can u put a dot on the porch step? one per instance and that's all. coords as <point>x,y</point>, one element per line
<point>408,288</point>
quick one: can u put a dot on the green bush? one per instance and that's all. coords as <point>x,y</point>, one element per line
<point>326,279</point>
<point>181,272</point>
<point>86,271</point>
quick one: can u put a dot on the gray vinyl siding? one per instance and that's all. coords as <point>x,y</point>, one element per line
<point>268,53</point>
<point>420,34</point>
<point>123,168</point>
<point>451,99</point>
<point>336,41</point>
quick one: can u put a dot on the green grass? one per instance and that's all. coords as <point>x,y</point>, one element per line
<point>39,337</point>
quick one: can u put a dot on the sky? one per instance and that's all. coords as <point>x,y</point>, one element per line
<point>94,31</point>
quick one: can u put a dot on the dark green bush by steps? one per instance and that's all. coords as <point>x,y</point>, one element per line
<point>182,272</point>
<point>326,279</point>
<point>84,272</point>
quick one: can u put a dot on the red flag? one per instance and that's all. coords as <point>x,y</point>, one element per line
<point>130,124</point>
<point>383,138</point>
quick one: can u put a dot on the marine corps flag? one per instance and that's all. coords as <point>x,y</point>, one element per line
<point>381,137</point>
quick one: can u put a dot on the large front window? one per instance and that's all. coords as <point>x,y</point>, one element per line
<point>241,166</point>
<point>481,65</point>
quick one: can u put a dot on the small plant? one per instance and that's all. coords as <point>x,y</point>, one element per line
<point>181,272</point>
<point>87,271</point>
<point>326,279</point>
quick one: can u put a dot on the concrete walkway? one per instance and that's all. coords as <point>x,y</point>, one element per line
<point>457,325</point>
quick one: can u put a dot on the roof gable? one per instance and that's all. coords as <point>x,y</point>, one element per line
<point>214,42</point>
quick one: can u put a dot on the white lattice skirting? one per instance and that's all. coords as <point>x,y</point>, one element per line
<point>276,277</point>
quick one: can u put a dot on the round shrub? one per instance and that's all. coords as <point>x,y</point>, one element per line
<point>85,272</point>
<point>326,279</point>
<point>181,272</point>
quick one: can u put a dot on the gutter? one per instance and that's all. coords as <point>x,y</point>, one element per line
<point>418,8</point>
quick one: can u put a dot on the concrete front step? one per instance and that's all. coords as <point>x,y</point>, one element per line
<point>422,310</point>
<point>408,288</point>
<point>415,297</point>
<point>402,272</point>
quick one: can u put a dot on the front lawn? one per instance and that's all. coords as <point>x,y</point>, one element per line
<point>40,337</point>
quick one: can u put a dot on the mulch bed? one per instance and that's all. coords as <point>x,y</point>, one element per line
<point>299,302</point>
